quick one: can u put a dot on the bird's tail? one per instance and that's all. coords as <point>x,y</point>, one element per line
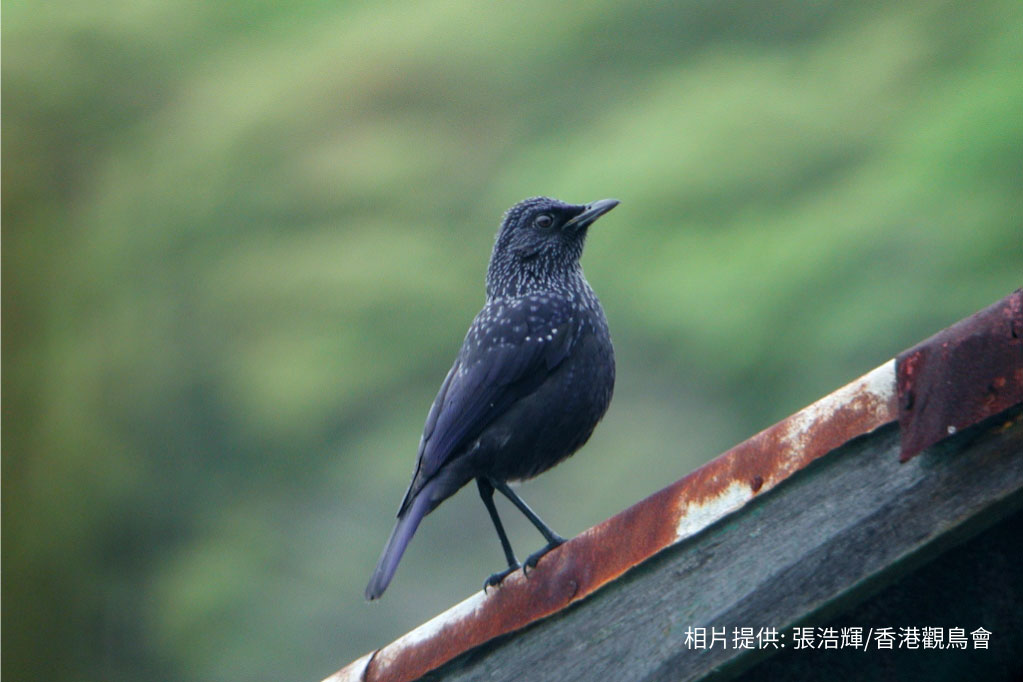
<point>404,529</point>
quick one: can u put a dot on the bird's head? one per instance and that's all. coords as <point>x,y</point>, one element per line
<point>540,243</point>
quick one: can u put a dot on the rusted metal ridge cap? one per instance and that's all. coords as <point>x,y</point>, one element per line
<point>603,553</point>
<point>962,375</point>
<point>599,555</point>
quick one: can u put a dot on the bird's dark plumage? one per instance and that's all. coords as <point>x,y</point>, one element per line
<point>534,376</point>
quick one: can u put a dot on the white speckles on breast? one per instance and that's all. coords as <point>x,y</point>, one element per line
<point>534,318</point>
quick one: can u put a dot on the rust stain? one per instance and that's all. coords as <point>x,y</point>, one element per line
<point>962,375</point>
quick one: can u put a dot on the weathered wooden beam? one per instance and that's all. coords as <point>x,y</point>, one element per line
<point>976,585</point>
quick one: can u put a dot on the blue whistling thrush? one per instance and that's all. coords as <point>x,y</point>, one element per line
<point>534,376</point>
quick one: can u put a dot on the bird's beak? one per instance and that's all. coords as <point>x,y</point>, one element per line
<point>591,213</point>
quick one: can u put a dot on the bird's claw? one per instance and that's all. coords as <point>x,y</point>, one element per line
<point>532,559</point>
<point>526,566</point>
<point>497,578</point>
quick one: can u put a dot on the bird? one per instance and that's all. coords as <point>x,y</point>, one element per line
<point>534,376</point>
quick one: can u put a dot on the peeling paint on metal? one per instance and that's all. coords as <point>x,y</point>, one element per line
<point>875,389</point>
<point>431,628</point>
<point>695,516</point>
<point>777,452</point>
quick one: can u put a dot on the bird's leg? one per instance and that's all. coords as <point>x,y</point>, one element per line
<point>487,493</point>
<point>553,539</point>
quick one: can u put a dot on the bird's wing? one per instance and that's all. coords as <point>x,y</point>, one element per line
<point>500,363</point>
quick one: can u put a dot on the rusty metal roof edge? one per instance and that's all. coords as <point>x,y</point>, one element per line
<point>601,554</point>
<point>962,375</point>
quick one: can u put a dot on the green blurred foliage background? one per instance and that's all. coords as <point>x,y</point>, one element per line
<point>242,242</point>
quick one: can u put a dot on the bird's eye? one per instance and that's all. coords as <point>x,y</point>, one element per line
<point>544,220</point>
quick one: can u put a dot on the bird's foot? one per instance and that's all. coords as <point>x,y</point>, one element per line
<point>497,578</point>
<point>533,558</point>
